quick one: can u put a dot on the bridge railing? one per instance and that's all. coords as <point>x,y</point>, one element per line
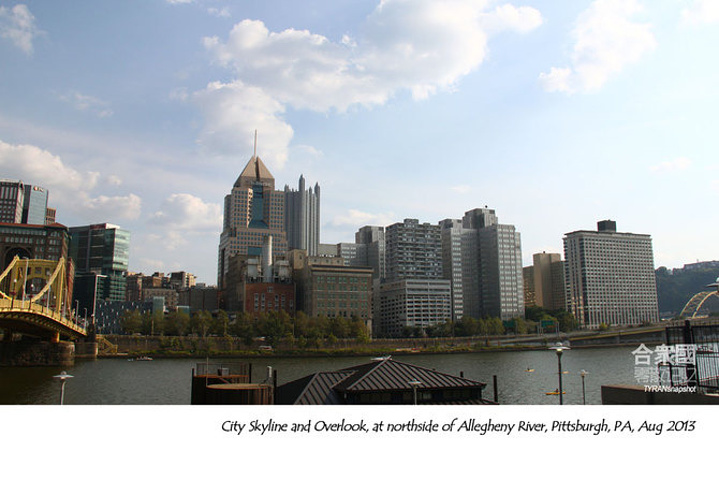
<point>15,305</point>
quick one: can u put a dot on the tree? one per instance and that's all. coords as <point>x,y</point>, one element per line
<point>200,323</point>
<point>131,322</point>
<point>177,323</point>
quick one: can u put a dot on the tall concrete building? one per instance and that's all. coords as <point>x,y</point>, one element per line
<point>302,218</point>
<point>455,240</point>
<point>610,277</point>
<point>548,278</point>
<point>24,203</point>
<point>413,293</point>
<point>491,265</point>
<point>253,211</point>
<point>12,199</point>
<point>413,250</point>
<point>373,240</point>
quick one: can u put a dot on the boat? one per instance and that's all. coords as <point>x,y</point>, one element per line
<point>143,358</point>
<point>529,370</point>
<point>555,392</point>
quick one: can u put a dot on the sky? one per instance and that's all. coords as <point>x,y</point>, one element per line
<point>557,114</point>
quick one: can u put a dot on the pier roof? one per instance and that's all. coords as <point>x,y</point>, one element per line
<point>382,375</point>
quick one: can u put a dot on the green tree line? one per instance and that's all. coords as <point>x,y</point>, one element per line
<point>272,326</point>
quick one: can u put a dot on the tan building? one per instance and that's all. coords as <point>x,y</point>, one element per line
<point>549,284</point>
<point>328,287</point>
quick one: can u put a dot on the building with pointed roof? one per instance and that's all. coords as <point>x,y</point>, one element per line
<point>383,381</point>
<point>302,217</point>
<point>253,211</point>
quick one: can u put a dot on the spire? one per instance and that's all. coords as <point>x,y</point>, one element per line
<point>255,172</point>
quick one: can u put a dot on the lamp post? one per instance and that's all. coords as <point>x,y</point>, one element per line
<point>63,377</point>
<point>559,348</point>
<point>583,373</point>
<point>414,384</point>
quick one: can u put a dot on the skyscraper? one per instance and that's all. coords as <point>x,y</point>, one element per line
<point>34,210</point>
<point>548,278</point>
<point>23,203</point>
<point>484,259</point>
<point>12,199</point>
<point>413,250</point>
<point>253,210</point>
<point>610,277</point>
<point>101,253</point>
<point>302,218</point>
<point>413,295</point>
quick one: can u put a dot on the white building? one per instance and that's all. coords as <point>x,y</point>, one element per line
<point>610,277</point>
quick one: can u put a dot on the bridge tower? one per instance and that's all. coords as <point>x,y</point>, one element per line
<point>36,303</point>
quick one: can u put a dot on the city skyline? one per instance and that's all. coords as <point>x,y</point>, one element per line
<point>556,115</point>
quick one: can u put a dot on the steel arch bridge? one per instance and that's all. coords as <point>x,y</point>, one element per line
<point>35,300</point>
<point>694,305</point>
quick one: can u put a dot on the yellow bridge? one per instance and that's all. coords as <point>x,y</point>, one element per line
<point>36,299</point>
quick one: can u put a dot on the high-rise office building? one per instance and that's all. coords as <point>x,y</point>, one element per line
<point>23,203</point>
<point>373,240</point>
<point>454,247</point>
<point>610,277</point>
<point>34,211</point>
<point>548,278</point>
<point>12,200</point>
<point>302,218</point>
<point>413,293</point>
<point>101,253</point>
<point>253,211</point>
<point>487,256</point>
<point>413,250</point>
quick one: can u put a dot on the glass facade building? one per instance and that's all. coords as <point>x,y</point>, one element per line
<point>101,254</point>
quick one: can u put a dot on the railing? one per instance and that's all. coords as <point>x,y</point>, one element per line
<point>701,368</point>
<point>13,305</point>
<point>224,372</point>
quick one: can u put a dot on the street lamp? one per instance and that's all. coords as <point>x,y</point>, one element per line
<point>63,377</point>
<point>414,384</point>
<point>584,373</point>
<point>559,348</point>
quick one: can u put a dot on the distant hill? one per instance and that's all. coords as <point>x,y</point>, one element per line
<point>676,287</point>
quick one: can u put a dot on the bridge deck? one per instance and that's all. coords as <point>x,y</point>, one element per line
<point>34,319</point>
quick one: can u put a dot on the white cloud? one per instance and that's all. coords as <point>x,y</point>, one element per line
<point>113,180</point>
<point>357,218</point>
<point>701,12</point>
<point>509,17</point>
<point>126,207</point>
<point>17,24</point>
<point>606,40</point>
<point>233,111</point>
<point>186,212</point>
<point>182,216</point>
<point>223,12</point>
<point>419,46</point>
<point>70,190</point>
<point>678,164</point>
<point>87,103</point>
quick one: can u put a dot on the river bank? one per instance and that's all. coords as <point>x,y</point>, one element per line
<point>232,347</point>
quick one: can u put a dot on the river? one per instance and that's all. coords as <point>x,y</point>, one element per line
<point>523,377</point>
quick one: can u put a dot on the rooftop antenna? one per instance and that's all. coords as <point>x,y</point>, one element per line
<point>257,164</point>
<point>254,153</point>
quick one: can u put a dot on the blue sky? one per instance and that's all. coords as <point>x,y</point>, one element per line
<point>555,113</point>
